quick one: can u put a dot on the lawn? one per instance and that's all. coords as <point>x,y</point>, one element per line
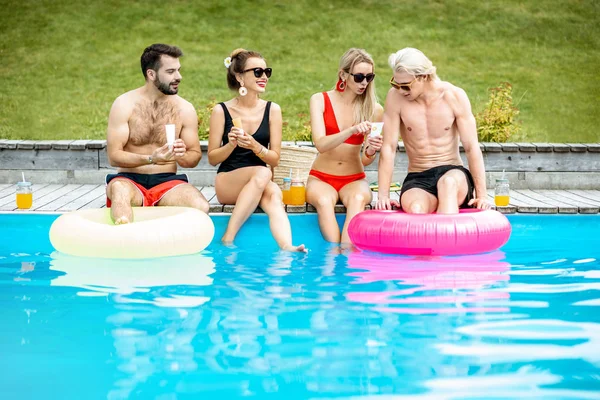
<point>64,62</point>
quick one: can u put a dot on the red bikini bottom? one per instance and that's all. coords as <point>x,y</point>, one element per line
<point>337,181</point>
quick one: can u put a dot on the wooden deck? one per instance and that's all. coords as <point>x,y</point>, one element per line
<point>70,197</point>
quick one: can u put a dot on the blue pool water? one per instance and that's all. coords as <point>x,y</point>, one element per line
<point>521,322</point>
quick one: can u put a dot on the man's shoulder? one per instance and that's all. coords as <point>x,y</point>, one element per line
<point>452,90</point>
<point>128,98</point>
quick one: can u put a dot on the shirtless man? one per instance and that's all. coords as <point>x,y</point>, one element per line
<point>431,116</point>
<point>137,144</point>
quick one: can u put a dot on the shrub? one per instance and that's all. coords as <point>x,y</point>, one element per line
<point>298,129</point>
<point>204,119</point>
<point>497,122</point>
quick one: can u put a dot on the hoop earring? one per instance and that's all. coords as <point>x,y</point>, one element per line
<point>340,85</point>
<point>242,91</point>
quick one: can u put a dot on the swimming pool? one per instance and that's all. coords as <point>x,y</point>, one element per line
<point>521,322</point>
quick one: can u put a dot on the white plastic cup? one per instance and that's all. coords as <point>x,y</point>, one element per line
<point>170,131</point>
<point>376,128</point>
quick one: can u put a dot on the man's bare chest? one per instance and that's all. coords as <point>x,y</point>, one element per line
<point>148,120</point>
<point>430,119</point>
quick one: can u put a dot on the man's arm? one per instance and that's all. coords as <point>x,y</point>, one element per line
<point>391,128</point>
<point>467,129</point>
<point>187,151</point>
<point>117,136</point>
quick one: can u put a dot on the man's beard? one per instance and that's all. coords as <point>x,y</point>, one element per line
<point>165,88</point>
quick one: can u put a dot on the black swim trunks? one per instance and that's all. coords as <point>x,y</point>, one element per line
<point>428,179</point>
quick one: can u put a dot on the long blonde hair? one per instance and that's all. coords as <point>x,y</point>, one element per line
<point>364,105</point>
<point>413,62</point>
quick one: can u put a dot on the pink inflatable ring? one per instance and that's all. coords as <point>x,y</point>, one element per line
<point>471,231</point>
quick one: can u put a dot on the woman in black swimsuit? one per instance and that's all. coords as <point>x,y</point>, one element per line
<point>244,150</point>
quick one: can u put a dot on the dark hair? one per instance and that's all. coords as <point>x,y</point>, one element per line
<point>151,56</point>
<point>239,57</point>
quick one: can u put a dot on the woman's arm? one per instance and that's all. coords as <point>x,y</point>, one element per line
<point>217,152</point>
<point>324,142</point>
<point>373,143</point>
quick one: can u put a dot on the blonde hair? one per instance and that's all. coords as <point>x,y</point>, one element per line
<point>413,62</point>
<point>364,105</point>
<point>239,57</point>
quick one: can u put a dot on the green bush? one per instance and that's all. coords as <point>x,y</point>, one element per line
<point>204,119</point>
<point>497,122</point>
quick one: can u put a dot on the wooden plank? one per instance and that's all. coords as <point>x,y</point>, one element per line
<point>587,194</point>
<point>571,198</point>
<point>38,196</point>
<point>563,208</point>
<point>543,207</point>
<point>56,194</point>
<point>8,190</point>
<point>584,207</point>
<point>11,197</point>
<point>98,202</point>
<point>58,204</point>
<point>85,198</point>
<point>5,185</point>
<point>209,194</point>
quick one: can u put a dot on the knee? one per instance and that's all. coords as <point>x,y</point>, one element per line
<point>447,183</point>
<point>261,178</point>
<point>416,208</point>
<point>200,204</point>
<point>358,199</point>
<point>273,194</point>
<point>324,203</point>
<point>118,189</point>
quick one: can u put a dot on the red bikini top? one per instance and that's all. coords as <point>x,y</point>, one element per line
<point>331,125</point>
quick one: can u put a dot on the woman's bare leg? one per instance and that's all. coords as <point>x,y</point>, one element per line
<point>355,196</point>
<point>324,197</point>
<point>123,195</point>
<point>243,187</point>
<point>271,203</point>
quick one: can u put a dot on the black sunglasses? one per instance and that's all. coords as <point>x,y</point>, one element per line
<point>258,72</point>
<point>358,78</point>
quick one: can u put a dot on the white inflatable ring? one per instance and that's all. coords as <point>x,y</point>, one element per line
<point>155,232</point>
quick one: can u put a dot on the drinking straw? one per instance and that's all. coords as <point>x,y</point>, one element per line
<point>23,174</point>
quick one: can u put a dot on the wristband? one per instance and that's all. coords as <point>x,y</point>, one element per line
<point>263,152</point>
<point>367,154</point>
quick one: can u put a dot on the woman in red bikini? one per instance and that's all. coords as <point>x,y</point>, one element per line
<point>340,120</point>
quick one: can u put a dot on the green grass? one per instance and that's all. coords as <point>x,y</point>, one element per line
<point>63,62</point>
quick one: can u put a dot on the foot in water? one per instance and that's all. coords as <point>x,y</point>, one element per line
<point>122,220</point>
<point>300,248</point>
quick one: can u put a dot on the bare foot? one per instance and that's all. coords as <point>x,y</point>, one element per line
<point>121,221</point>
<point>300,248</point>
<point>227,242</point>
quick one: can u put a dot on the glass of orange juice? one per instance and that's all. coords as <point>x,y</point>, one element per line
<point>297,196</point>
<point>502,193</point>
<point>24,195</point>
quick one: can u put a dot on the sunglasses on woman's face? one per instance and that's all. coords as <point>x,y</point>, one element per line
<point>258,72</point>
<point>358,78</point>
<point>403,86</point>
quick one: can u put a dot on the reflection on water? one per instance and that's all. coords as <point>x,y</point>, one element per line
<point>432,284</point>
<point>254,321</point>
